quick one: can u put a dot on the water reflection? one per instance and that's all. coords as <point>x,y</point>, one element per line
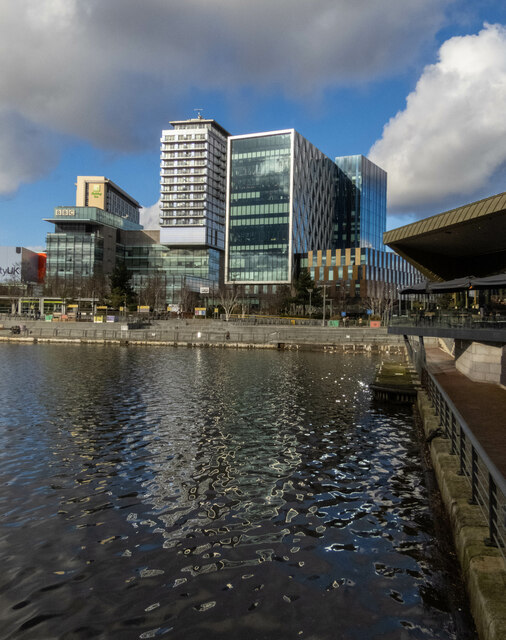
<point>212,494</point>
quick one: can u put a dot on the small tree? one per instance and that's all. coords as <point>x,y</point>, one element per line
<point>122,293</point>
<point>381,301</point>
<point>228,296</point>
<point>189,299</point>
<point>303,296</point>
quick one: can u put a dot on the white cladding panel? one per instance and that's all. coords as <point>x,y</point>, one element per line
<point>183,236</point>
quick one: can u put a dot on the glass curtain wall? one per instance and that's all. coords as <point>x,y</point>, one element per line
<point>259,221</point>
<point>172,269</point>
<point>361,206</point>
<point>73,256</point>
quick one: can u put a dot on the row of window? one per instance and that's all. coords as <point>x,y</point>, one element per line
<point>248,222</point>
<point>261,153</point>
<point>259,209</point>
<point>265,276</point>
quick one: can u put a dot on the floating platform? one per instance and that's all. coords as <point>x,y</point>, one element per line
<point>395,383</point>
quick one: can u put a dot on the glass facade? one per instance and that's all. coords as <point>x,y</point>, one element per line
<point>92,214</point>
<point>362,271</point>
<point>259,209</point>
<point>360,219</point>
<point>281,203</point>
<point>74,256</point>
<point>84,241</point>
<point>172,268</point>
<point>314,197</point>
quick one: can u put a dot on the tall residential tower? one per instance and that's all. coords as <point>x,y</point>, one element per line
<point>192,176</point>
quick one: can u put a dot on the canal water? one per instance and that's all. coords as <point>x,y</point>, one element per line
<point>205,493</point>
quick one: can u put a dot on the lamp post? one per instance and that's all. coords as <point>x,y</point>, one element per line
<point>324,295</point>
<point>310,291</point>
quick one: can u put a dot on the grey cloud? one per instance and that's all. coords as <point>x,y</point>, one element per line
<point>26,151</point>
<point>108,71</point>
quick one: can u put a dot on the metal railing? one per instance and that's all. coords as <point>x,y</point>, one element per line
<point>487,484</point>
<point>451,321</point>
<point>212,334</point>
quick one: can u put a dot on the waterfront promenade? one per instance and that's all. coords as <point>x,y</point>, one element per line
<point>212,333</point>
<point>482,405</point>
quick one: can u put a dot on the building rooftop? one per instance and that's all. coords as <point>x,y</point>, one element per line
<point>196,121</point>
<point>468,240</point>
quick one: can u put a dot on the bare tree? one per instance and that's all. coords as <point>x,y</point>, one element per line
<point>153,291</point>
<point>59,287</point>
<point>276,302</point>
<point>189,299</point>
<point>381,300</point>
<point>228,296</point>
<point>95,286</point>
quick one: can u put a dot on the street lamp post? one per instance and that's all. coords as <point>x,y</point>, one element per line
<point>310,291</point>
<point>324,295</point>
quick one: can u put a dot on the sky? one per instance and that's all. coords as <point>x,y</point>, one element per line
<point>87,86</point>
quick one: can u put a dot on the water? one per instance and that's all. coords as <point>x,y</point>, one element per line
<point>202,494</point>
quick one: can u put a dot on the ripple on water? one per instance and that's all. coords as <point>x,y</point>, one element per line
<point>197,493</point>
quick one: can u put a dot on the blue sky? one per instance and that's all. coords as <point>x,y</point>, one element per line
<point>86,88</point>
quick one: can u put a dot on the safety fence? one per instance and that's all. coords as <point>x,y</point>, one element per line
<point>487,484</point>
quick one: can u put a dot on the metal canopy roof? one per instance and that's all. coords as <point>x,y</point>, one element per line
<point>459,284</point>
<point>469,239</point>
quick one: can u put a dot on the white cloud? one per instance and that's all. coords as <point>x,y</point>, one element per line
<point>150,216</point>
<point>450,139</point>
<point>110,71</point>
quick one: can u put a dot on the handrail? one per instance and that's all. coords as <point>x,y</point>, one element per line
<point>487,484</point>
<point>450,321</point>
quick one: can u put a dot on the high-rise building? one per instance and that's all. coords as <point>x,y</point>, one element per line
<point>280,202</point>
<point>86,238</point>
<point>192,176</point>
<point>361,204</point>
<point>98,191</point>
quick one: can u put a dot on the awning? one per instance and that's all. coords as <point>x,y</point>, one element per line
<point>490,282</point>
<point>419,287</point>
<point>458,284</point>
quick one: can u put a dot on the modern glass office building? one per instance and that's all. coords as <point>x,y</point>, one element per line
<point>84,243</point>
<point>170,269</point>
<point>280,202</point>
<point>360,272</point>
<point>360,219</point>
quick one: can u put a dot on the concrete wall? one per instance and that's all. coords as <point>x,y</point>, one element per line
<point>483,568</point>
<point>481,362</point>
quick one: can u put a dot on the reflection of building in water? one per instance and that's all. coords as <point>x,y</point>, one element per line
<point>224,466</point>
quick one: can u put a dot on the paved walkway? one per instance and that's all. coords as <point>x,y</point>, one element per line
<point>482,405</point>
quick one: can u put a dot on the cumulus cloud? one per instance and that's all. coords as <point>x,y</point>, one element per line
<point>110,71</point>
<point>450,140</point>
<point>150,216</point>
